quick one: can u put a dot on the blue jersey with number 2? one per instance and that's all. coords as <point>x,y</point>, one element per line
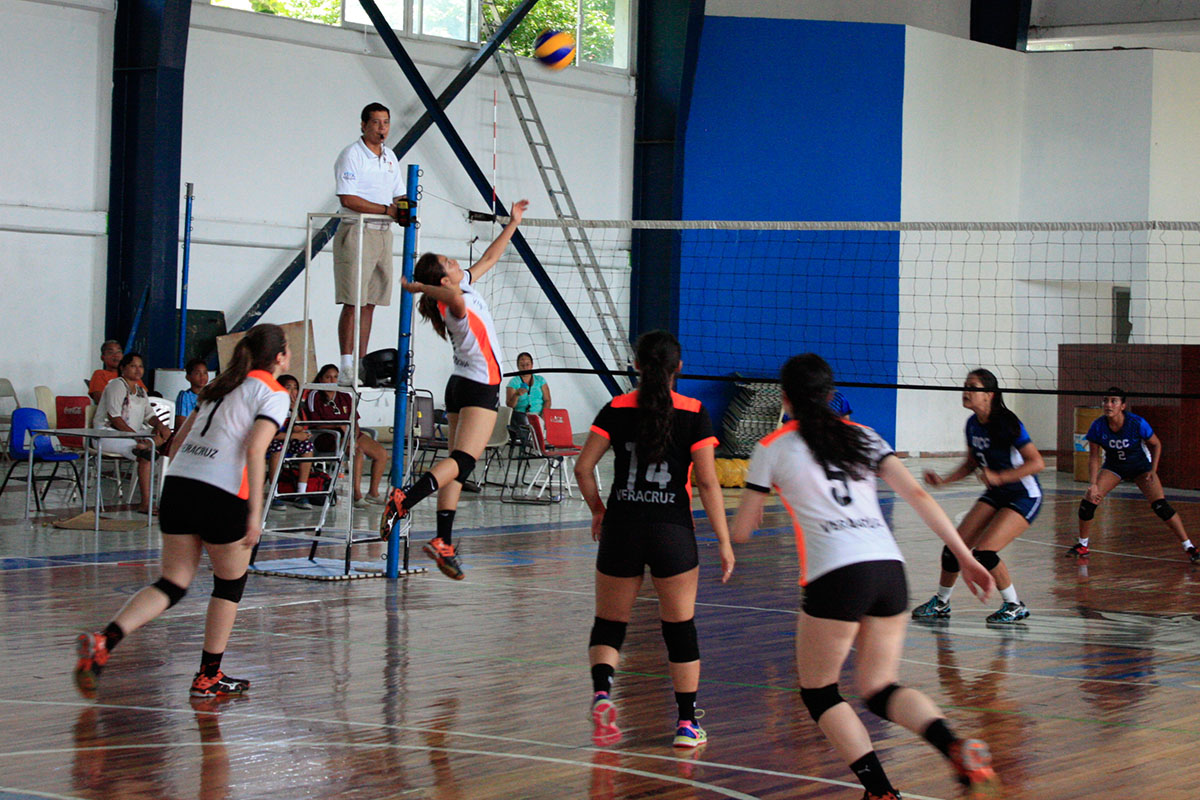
<point>1126,447</point>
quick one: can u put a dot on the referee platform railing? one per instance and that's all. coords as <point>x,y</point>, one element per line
<point>345,533</point>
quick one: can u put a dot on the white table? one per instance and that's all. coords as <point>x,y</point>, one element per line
<point>98,435</point>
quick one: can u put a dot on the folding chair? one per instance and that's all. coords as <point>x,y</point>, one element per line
<point>7,393</point>
<point>500,439</point>
<point>560,440</point>
<point>527,447</point>
<point>43,399</point>
<point>427,439</point>
<point>24,420</point>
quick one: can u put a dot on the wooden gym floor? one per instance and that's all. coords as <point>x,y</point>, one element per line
<point>428,688</point>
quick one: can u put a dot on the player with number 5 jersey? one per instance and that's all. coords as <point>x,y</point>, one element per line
<point>657,437</point>
<point>855,592</point>
<point>999,447</point>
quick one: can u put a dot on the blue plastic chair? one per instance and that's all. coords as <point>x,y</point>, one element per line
<point>24,420</point>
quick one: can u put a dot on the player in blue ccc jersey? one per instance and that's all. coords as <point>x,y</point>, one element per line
<point>999,446</point>
<point>1131,453</point>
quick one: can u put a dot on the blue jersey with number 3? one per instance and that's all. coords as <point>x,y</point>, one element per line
<point>1001,455</point>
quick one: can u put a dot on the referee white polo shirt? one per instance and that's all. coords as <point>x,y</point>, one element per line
<point>375,178</point>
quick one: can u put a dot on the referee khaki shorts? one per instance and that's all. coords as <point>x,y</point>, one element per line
<point>376,265</point>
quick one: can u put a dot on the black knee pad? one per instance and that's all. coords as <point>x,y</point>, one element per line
<point>465,464</point>
<point>1163,509</point>
<point>818,701</point>
<point>174,593</point>
<point>229,590</point>
<point>607,632</point>
<point>989,558</point>
<point>1087,510</point>
<point>949,562</point>
<point>877,703</point>
<point>682,646</point>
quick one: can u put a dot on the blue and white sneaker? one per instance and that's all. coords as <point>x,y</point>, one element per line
<point>1009,612</point>
<point>688,733</point>
<point>936,607</point>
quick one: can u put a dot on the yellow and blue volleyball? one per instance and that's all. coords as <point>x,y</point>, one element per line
<point>555,49</point>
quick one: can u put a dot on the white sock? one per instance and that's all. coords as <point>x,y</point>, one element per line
<point>1009,595</point>
<point>943,593</point>
<point>1187,544</point>
<point>1083,542</point>
<point>347,362</point>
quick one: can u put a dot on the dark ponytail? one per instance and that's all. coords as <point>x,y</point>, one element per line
<point>429,270</point>
<point>1002,425</point>
<point>658,355</point>
<point>256,350</point>
<point>836,445</point>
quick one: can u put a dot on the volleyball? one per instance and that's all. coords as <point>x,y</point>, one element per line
<point>555,49</point>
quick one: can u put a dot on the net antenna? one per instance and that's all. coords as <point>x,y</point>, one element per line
<point>612,323</point>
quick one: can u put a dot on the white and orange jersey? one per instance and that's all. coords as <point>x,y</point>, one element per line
<point>837,518</point>
<point>476,345</point>
<point>214,451</point>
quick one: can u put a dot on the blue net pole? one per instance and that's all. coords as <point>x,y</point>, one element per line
<point>403,368</point>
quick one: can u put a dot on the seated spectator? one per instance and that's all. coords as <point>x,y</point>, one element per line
<point>300,446</point>
<point>331,405</point>
<point>110,357</point>
<point>125,406</point>
<point>185,401</point>
<point>528,393</point>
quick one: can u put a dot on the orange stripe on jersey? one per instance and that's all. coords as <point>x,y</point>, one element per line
<point>801,553</point>
<point>711,441</point>
<point>685,403</point>
<point>625,400</point>
<point>485,345</point>
<point>600,432</point>
<point>679,401</point>
<point>688,484</point>
<point>244,492</point>
<point>787,427</point>
<point>267,378</point>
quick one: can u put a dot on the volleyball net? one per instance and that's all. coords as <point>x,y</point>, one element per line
<point>890,305</point>
<point>902,311</point>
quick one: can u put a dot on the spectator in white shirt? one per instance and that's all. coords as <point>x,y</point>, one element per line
<point>125,406</point>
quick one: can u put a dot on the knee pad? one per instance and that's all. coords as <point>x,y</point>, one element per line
<point>174,593</point>
<point>949,562</point>
<point>682,646</point>
<point>818,701</point>
<point>989,558</point>
<point>877,703</point>
<point>229,590</point>
<point>607,632</point>
<point>1087,510</point>
<point>1163,509</point>
<point>465,464</point>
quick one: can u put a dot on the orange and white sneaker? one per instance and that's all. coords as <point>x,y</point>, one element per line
<point>973,762</point>
<point>220,685</point>
<point>92,649</point>
<point>446,557</point>
<point>393,510</point>
<point>605,732</point>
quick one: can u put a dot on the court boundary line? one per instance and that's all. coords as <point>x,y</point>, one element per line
<point>252,716</point>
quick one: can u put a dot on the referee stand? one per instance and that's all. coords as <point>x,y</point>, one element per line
<point>341,463</point>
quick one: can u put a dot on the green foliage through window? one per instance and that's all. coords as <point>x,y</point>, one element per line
<point>599,26</point>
